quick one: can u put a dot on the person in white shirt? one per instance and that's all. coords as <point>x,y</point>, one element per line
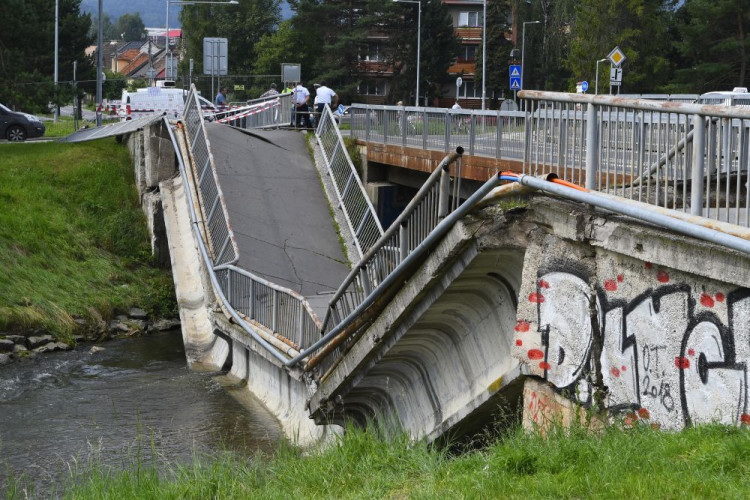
<point>325,95</point>
<point>456,106</point>
<point>301,98</point>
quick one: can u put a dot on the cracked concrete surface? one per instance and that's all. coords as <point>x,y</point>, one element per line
<point>278,211</point>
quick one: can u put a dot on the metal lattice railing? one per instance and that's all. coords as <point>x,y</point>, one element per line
<point>358,210</point>
<point>266,112</point>
<point>494,134</point>
<point>687,157</point>
<point>254,300</point>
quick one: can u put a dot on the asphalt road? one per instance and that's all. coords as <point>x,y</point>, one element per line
<point>278,210</point>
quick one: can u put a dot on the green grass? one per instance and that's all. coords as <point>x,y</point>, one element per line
<point>703,462</point>
<point>62,128</point>
<point>73,240</point>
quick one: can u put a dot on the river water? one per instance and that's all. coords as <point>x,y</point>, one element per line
<point>132,400</point>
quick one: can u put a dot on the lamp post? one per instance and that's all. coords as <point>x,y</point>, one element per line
<point>484,50</point>
<point>99,67</point>
<point>596,81</point>
<point>57,18</point>
<point>419,39</point>
<point>523,48</point>
<point>185,2</point>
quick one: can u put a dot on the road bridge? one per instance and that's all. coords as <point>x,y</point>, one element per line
<point>619,295</point>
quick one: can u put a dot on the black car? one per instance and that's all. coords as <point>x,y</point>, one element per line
<point>16,126</point>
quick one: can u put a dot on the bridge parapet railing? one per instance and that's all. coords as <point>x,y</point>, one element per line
<point>360,215</point>
<point>223,245</point>
<point>687,157</point>
<point>247,298</point>
<point>435,200</point>
<point>494,134</point>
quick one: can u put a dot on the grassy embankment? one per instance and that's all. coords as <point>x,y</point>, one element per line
<point>73,240</point>
<point>703,462</point>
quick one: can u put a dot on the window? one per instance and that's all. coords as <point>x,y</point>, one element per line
<point>469,19</point>
<point>372,87</point>
<point>467,53</point>
<point>371,52</point>
<point>469,89</point>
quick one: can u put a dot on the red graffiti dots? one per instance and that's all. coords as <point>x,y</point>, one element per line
<point>682,362</point>
<point>544,365</point>
<point>522,326</point>
<point>719,297</point>
<point>623,368</point>
<point>654,426</point>
<point>745,419</point>
<point>535,354</point>
<point>643,413</point>
<point>620,278</point>
<point>543,284</point>
<point>519,342</point>
<point>691,352</point>
<point>610,285</point>
<point>662,277</point>
<point>706,300</point>
<point>628,422</point>
<point>615,371</point>
<point>648,265</point>
<point>536,298</point>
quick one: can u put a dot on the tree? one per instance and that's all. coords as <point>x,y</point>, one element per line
<point>713,42</point>
<point>638,27</point>
<point>27,51</point>
<point>130,27</point>
<point>498,49</point>
<point>243,25</point>
<point>283,46</point>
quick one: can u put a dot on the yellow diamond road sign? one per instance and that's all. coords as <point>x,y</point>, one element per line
<point>616,56</point>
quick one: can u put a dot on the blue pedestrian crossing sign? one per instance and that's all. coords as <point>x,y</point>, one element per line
<point>515,77</point>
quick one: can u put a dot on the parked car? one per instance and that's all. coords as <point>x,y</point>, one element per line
<point>16,126</point>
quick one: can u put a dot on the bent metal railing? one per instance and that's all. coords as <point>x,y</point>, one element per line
<point>360,215</point>
<point>265,112</point>
<point>687,157</point>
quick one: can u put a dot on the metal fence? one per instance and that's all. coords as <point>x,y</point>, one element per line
<point>494,134</point>
<point>358,210</point>
<point>274,111</point>
<point>687,157</point>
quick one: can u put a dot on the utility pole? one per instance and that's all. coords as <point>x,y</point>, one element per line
<point>57,18</point>
<point>99,68</point>
<point>75,97</point>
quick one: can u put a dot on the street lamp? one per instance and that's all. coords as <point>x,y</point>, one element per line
<point>523,42</point>
<point>419,39</point>
<point>186,2</point>
<point>596,81</point>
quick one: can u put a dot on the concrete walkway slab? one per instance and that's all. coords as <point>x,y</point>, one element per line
<point>278,210</point>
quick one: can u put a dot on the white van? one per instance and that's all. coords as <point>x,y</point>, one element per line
<point>164,99</point>
<point>739,96</point>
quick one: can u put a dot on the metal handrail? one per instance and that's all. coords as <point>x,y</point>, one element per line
<point>358,211</point>
<point>223,244</point>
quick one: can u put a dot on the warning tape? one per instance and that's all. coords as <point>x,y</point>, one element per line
<point>254,110</point>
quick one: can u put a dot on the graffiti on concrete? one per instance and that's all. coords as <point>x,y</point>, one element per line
<point>678,352</point>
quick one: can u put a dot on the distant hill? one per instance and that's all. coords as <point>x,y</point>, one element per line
<point>152,11</point>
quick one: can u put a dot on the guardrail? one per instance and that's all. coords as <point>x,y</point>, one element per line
<point>358,210</point>
<point>249,298</point>
<point>494,134</point>
<point>265,112</point>
<point>687,157</point>
<point>223,245</point>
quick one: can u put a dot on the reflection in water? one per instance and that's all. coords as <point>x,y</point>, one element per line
<point>135,398</point>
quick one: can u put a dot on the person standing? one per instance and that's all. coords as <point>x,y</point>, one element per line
<point>301,98</point>
<point>221,98</point>
<point>270,92</point>
<point>325,96</point>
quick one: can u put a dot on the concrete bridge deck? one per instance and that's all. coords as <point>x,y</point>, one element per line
<point>278,210</point>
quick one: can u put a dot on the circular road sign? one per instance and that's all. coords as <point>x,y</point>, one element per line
<point>584,85</point>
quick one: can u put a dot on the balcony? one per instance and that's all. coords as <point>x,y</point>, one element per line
<point>465,34</point>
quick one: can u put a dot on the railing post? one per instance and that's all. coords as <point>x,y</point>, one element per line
<point>445,192</point>
<point>499,138</point>
<point>403,240</point>
<point>228,292</point>
<point>368,119</point>
<point>698,165</point>
<point>447,131</point>
<point>472,132</point>
<point>386,125</point>
<point>366,285</point>
<point>300,324</point>
<point>592,146</point>
<point>275,311</point>
<point>251,306</point>
<point>424,129</point>
<point>404,124</point>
